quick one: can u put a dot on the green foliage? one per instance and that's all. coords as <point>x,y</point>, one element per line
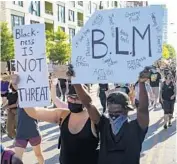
<point>58,48</point>
<point>7,43</point>
<point>168,51</point>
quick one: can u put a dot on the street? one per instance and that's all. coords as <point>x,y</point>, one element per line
<point>158,147</point>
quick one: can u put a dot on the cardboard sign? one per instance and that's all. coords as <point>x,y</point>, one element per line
<point>3,67</point>
<point>31,65</point>
<point>58,70</point>
<point>115,45</point>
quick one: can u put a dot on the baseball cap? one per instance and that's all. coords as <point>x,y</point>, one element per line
<point>121,98</point>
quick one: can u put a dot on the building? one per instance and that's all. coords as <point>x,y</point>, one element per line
<point>70,16</point>
<point>136,3</point>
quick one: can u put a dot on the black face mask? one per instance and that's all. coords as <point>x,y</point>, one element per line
<point>75,108</point>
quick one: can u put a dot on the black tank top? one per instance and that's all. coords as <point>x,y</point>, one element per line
<point>168,91</point>
<point>80,148</point>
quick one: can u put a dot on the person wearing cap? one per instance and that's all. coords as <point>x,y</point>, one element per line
<point>120,139</point>
<point>155,80</point>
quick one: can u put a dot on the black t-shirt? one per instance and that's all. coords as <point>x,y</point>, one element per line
<point>155,79</point>
<point>12,98</point>
<point>125,148</point>
<point>168,91</point>
<point>62,83</point>
<point>103,87</point>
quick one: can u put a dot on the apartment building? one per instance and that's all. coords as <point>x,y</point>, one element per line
<point>70,16</point>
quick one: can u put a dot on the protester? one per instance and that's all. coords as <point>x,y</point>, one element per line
<point>4,89</point>
<point>11,107</point>
<point>155,84</point>
<point>167,98</point>
<point>103,88</point>
<point>123,88</point>
<point>63,87</point>
<point>121,139</point>
<point>8,157</point>
<point>28,132</point>
<point>79,138</point>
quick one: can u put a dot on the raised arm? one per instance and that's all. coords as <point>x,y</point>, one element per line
<point>43,114</point>
<point>143,112</point>
<point>87,102</point>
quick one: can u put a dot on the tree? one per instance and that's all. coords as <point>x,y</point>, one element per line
<point>165,53</point>
<point>58,48</point>
<point>168,51</point>
<point>7,43</point>
<point>172,52</point>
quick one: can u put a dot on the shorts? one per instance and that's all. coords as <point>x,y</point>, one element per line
<point>24,142</point>
<point>168,106</point>
<point>4,95</point>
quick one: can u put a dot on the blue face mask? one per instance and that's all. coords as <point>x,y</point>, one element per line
<point>117,122</point>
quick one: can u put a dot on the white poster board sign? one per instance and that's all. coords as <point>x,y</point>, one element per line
<point>115,45</point>
<point>31,65</point>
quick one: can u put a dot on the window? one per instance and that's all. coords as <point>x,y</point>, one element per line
<point>115,4</point>
<point>62,28</point>
<point>34,8</point>
<point>61,14</point>
<point>33,22</point>
<point>17,20</point>
<point>72,3</point>
<point>71,15</point>
<point>19,3</point>
<point>80,3</point>
<point>71,34</point>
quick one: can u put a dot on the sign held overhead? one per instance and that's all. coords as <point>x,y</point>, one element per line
<point>115,45</point>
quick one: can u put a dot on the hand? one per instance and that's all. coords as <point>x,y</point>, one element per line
<point>15,79</point>
<point>70,71</point>
<point>144,75</point>
<point>54,80</point>
<point>172,97</point>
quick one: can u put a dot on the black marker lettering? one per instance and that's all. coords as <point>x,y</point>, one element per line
<point>30,78</point>
<point>37,93</point>
<point>24,51</point>
<point>148,30</point>
<point>17,33</point>
<point>31,49</point>
<point>30,65</point>
<point>117,44</point>
<point>40,66</point>
<point>98,42</point>
<point>19,64</point>
<point>21,96</point>
<point>33,94</point>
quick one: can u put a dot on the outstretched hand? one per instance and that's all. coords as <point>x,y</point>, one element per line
<point>145,75</point>
<point>15,79</point>
<point>70,72</point>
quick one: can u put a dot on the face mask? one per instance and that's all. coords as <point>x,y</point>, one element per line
<point>154,71</point>
<point>75,108</point>
<point>117,122</point>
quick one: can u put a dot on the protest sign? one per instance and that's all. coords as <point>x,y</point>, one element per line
<point>3,67</point>
<point>31,65</point>
<point>115,45</point>
<point>58,70</point>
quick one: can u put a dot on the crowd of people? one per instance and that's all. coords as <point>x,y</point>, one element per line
<point>88,135</point>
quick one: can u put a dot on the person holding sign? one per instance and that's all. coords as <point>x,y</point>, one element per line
<point>79,138</point>
<point>121,139</point>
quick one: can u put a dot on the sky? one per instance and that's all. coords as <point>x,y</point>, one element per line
<point>172,18</point>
